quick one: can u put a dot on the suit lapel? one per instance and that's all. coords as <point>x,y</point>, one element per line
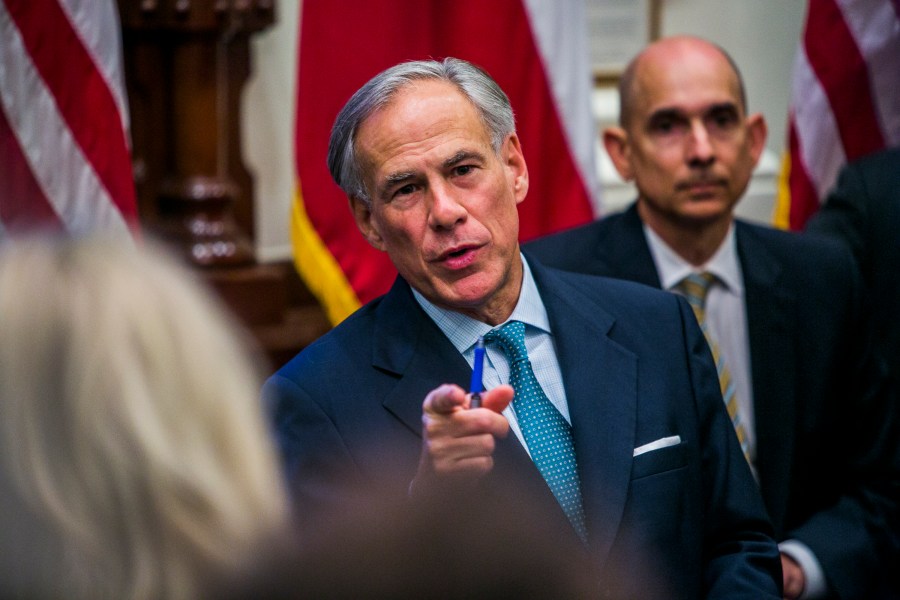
<point>408,344</point>
<point>625,253</point>
<point>773,363</point>
<point>600,382</point>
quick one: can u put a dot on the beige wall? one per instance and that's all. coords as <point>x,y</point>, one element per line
<point>761,36</point>
<point>268,130</point>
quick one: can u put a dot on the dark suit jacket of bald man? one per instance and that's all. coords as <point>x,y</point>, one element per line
<point>825,415</point>
<point>683,521</point>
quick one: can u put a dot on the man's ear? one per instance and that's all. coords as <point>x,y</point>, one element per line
<point>514,161</point>
<point>615,140</point>
<point>757,130</point>
<point>362,213</point>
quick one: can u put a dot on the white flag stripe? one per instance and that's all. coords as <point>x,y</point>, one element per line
<point>860,42</point>
<point>568,70</point>
<point>96,22</point>
<point>876,28</point>
<point>821,149</point>
<point>66,178</point>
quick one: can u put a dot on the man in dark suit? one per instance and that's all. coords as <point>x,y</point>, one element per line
<point>863,212</point>
<point>618,429</point>
<point>783,313</point>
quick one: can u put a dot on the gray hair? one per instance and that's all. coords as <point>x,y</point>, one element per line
<point>490,101</point>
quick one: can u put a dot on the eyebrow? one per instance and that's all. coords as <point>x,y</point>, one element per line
<point>674,111</point>
<point>393,179</point>
<point>665,112</point>
<point>731,106</point>
<point>677,112</point>
<point>462,156</point>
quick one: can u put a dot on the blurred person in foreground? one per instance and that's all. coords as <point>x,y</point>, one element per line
<point>376,548</point>
<point>134,458</point>
<point>784,313</point>
<point>603,407</point>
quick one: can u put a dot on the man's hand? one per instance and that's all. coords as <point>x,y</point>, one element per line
<point>794,580</point>
<point>456,440</point>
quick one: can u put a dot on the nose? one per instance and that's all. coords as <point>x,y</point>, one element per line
<point>700,149</point>
<point>446,210</point>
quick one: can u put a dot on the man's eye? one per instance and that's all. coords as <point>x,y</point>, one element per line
<point>666,125</point>
<point>463,169</point>
<point>405,190</point>
<point>663,126</point>
<point>724,120</point>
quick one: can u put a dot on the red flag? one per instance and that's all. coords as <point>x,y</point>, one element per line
<point>535,49</point>
<point>64,151</point>
<point>845,102</point>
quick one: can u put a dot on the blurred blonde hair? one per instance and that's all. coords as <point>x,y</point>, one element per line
<point>130,423</point>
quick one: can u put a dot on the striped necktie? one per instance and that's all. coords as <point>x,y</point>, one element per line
<point>547,433</point>
<point>695,287</point>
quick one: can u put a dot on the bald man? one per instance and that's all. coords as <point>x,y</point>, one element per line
<point>810,404</point>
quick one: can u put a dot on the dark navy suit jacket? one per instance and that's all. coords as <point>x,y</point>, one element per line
<point>863,211</point>
<point>825,417</point>
<point>684,521</point>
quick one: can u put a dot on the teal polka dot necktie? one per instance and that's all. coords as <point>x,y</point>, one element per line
<point>546,432</point>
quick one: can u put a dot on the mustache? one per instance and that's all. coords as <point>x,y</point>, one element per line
<point>701,181</point>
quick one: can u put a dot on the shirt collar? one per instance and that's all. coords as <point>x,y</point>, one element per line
<point>724,264</point>
<point>463,331</point>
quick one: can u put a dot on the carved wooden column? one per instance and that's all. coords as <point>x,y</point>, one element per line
<point>186,64</point>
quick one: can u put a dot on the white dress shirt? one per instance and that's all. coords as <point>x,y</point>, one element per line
<point>726,314</point>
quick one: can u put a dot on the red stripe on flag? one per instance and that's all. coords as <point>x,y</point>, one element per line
<point>839,65</point>
<point>81,94</point>
<point>23,205</point>
<point>804,198</point>
<point>369,271</point>
<point>557,195</point>
<point>339,53</point>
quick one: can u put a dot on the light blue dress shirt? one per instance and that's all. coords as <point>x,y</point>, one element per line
<point>463,332</point>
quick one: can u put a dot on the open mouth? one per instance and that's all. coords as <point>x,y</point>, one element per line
<point>460,257</point>
<point>457,252</point>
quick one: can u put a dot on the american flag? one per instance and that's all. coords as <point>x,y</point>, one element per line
<point>845,100</point>
<point>64,149</point>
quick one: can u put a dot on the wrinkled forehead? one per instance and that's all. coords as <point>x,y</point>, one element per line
<point>420,116</point>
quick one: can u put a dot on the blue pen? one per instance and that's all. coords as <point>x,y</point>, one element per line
<point>475,386</point>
